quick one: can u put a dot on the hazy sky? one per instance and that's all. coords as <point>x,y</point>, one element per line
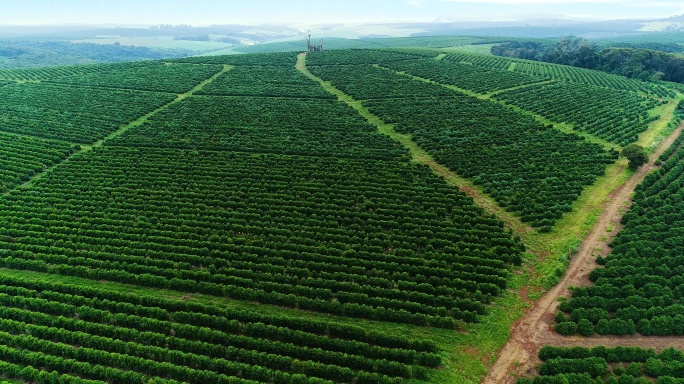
<point>204,12</point>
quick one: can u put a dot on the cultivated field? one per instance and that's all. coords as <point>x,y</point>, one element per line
<point>352,216</point>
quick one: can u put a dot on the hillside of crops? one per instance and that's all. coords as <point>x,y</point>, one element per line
<point>610,107</point>
<point>38,74</point>
<point>23,157</point>
<point>616,116</point>
<point>264,125</point>
<point>240,225</point>
<point>560,72</point>
<point>281,59</point>
<point>589,77</point>
<point>228,219</point>
<point>155,76</point>
<point>601,365</point>
<point>509,153</point>
<point>481,61</point>
<point>276,81</point>
<point>464,76</point>
<point>365,82</point>
<point>364,56</point>
<point>640,285</point>
<point>531,169</point>
<point>76,114</point>
<point>260,187</point>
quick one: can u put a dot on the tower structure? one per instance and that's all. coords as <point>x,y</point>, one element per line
<point>312,47</point>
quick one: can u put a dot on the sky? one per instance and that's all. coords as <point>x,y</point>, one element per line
<point>293,12</point>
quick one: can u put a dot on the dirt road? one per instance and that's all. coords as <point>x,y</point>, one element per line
<point>534,329</point>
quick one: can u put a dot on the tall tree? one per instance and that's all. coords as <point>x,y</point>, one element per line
<point>635,154</point>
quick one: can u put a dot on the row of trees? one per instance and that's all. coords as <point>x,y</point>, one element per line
<point>584,365</point>
<point>193,346</point>
<point>32,374</point>
<point>94,368</point>
<point>163,309</point>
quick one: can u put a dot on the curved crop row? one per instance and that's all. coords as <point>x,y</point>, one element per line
<point>591,77</point>
<point>483,61</point>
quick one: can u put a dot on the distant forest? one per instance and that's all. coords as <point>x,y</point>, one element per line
<point>17,54</point>
<point>644,61</point>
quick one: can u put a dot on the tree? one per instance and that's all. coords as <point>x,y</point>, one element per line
<point>634,369</point>
<point>566,328</point>
<point>602,327</point>
<point>560,316</point>
<point>635,154</point>
<point>585,327</point>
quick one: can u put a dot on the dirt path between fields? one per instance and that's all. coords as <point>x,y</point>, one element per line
<point>534,330</point>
